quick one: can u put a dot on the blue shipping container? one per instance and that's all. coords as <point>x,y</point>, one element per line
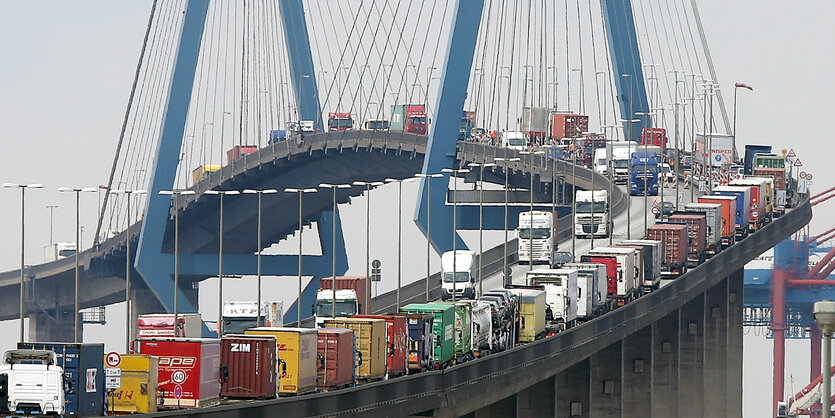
<point>83,366</point>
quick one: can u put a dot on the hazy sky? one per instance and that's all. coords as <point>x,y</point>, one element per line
<point>67,67</point>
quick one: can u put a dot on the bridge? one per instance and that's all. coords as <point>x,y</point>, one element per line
<point>674,352</point>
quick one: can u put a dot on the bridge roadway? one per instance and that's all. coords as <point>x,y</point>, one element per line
<point>336,157</point>
<point>674,352</point>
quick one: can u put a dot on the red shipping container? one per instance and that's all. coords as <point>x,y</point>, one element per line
<point>336,350</point>
<point>654,136</point>
<point>239,151</point>
<point>248,363</point>
<point>568,125</point>
<point>357,283</point>
<point>397,336</point>
<point>189,370</point>
<point>673,239</point>
<point>611,263</point>
<point>779,175</point>
<point>697,232</point>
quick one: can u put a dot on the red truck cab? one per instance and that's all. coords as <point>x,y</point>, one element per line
<point>416,119</point>
<point>654,136</point>
<point>339,121</point>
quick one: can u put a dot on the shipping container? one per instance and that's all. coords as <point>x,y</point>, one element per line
<point>531,314</point>
<point>628,272</point>
<point>239,151</point>
<point>535,121</point>
<point>568,125</point>
<point>371,344</point>
<point>673,237</point>
<point>591,278</point>
<point>189,370</point>
<point>84,372</point>
<point>336,348</point>
<point>162,325</point>
<point>421,340</point>
<point>728,215</point>
<point>779,191</point>
<point>713,222</point>
<point>397,335</point>
<point>443,325</point>
<point>463,319</point>
<point>296,351</point>
<point>138,392</point>
<point>744,206</point>
<point>655,136</point>
<point>202,172</point>
<point>760,200</point>
<point>652,261</point>
<point>750,151</point>
<point>248,363</point>
<point>697,242</point>
<point>355,283</point>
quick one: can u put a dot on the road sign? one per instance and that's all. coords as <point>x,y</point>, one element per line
<point>375,271</point>
<point>113,359</point>
<point>112,378</point>
<point>112,371</point>
<point>375,264</point>
<point>809,177</point>
<point>798,163</point>
<point>802,175</point>
<point>801,186</point>
<point>784,152</point>
<point>791,153</point>
<point>178,376</point>
<point>178,391</point>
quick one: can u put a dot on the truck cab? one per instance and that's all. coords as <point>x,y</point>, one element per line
<point>536,234</point>
<point>339,121</point>
<point>621,154</point>
<point>514,140</point>
<point>376,125</point>
<point>241,316</point>
<point>345,304</point>
<point>592,217</point>
<point>58,250</point>
<point>31,383</point>
<point>644,177</point>
<point>460,264</point>
<point>562,296</point>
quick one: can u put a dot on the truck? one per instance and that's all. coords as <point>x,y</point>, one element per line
<point>58,250</point>
<point>189,370</point>
<point>601,161</point>
<point>562,296</point>
<point>190,325</point>
<point>713,225</point>
<point>620,270</point>
<point>721,146</point>
<point>410,118</point>
<point>537,237</point>
<point>651,256</point>
<point>744,206</point>
<point>748,159</point>
<point>482,329</point>
<point>31,383</point>
<point>465,129</point>
<point>654,136</point>
<point>673,237</point>
<point>774,161</point>
<point>535,122</point>
<point>241,316</point>
<point>591,279</point>
<point>421,341</point>
<point>592,216</point>
<point>589,145</point>
<point>375,125</point>
<point>83,374</point>
<point>778,176</point>
<point>621,154</point>
<point>531,314</point>
<point>463,330</point>
<point>728,215</point>
<point>514,140</point>
<point>297,359</point>
<point>644,175</point>
<point>248,364</point>
<point>696,233</point>
<point>760,200</point>
<point>371,345</point>
<point>568,125</point>
<point>460,264</point>
<point>443,326</point>
<point>339,121</point>
<point>239,151</point>
<point>397,335</point>
<point>351,297</point>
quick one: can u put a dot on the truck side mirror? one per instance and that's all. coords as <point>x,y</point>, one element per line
<point>224,373</point>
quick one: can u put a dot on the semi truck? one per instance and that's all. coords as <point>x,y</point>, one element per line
<point>591,279</point>
<point>592,216</point>
<point>697,238</point>
<point>351,298</point>
<point>537,237</point>
<point>31,383</point>
<point>673,237</point>
<point>535,122</point>
<point>713,222</point>
<point>750,152</point>
<point>409,118</point>
<point>744,206</point>
<point>339,121</point>
<point>621,154</point>
<point>514,140</point>
<point>460,264</point>
<point>620,270</point>
<point>58,250</point>
<point>728,213</point>
<point>189,325</point>
<point>562,296</point>
<point>644,176</point>
<point>651,256</point>
<point>241,316</point>
<point>760,213</point>
<point>654,136</point>
<point>778,176</point>
<point>568,125</point>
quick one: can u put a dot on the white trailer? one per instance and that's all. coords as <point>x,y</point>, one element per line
<point>652,262</point>
<point>58,250</point>
<point>482,328</point>
<point>34,383</point>
<point>628,276</point>
<point>721,146</point>
<point>592,280</point>
<point>562,296</point>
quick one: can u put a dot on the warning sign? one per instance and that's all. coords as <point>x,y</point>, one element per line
<point>791,153</point>
<point>797,163</point>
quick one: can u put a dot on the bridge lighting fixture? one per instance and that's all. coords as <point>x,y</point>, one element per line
<point>128,266</point>
<point>77,191</point>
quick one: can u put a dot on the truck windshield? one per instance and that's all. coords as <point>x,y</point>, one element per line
<point>340,123</point>
<point>379,124</point>
<point>621,163</point>
<point>416,120</point>
<point>516,141</point>
<point>238,325</point>
<point>66,253</point>
<point>323,308</point>
<point>538,233</point>
<point>585,207</point>
<point>460,277</point>
<point>645,168</point>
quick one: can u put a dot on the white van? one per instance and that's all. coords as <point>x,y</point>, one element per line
<point>461,264</point>
<point>514,140</point>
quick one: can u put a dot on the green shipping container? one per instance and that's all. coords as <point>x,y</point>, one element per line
<point>443,326</point>
<point>398,118</point>
<point>463,321</point>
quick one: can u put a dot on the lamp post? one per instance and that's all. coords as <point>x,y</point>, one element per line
<point>175,204</point>
<point>506,188</point>
<point>480,217</point>
<point>675,116</point>
<point>23,188</point>
<point>825,318</point>
<point>609,171</point>
<point>629,174</point>
<point>428,223</point>
<point>399,232</point>
<point>301,193</point>
<point>260,194</point>
<point>128,266</point>
<point>455,173</point>
<point>334,188</point>
<point>77,191</point>
<point>368,185</point>
<point>221,194</point>
<point>736,88</point>
<point>530,227</point>
<point>648,117</point>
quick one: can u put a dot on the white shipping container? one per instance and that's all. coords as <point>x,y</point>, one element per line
<point>722,149</point>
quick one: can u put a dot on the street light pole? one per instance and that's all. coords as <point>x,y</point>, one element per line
<point>334,187</point>
<point>368,185</point>
<point>736,88</point>
<point>260,194</point>
<point>128,267</point>
<point>429,178</point>
<point>301,193</point>
<point>506,187</point>
<point>530,227</point>
<point>175,196</point>
<point>454,174</point>
<point>222,194</point>
<point>399,233</point>
<point>480,218</point>
<point>23,188</point>
<point>77,191</point>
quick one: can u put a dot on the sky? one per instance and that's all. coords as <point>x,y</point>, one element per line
<point>67,69</point>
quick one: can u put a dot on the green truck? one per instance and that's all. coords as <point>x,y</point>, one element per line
<point>443,327</point>
<point>463,327</point>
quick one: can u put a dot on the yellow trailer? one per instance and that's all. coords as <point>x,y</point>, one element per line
<point>201,172</point>
<point>296,350</point>
<point>138,393</point>
<point>531,313</point>
<point>371,344</point>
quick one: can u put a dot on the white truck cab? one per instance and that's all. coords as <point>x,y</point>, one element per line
<point>346,304</point>
<point>536,237</point>
<point>31,383</point>
<point>241,316</point>
<point>562,295</point>
<point>514,140</point>
<point>461,265</point>
<point>592,217</point>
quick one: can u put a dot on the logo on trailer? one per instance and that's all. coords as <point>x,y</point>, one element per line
<point>240,348</point>
<point>188,362</point>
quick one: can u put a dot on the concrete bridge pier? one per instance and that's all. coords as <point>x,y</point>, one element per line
<point>53,325</point>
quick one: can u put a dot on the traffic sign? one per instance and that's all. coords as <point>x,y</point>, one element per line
<point>809,177</point>
<point>112,378</point>
<point>178,376</point>
<point>802,175</point>
<point>784,152</point>
<point>112,371</point>
<point>791,153</point>
<point>178,391</point>
<point>797,163</point>
<point>113,359</point>
<point>375,264</point>
<point>375,271</point>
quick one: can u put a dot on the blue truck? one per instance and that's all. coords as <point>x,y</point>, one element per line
<point>750,152</point>
<point>743,206</point>
<point>644,173</point>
